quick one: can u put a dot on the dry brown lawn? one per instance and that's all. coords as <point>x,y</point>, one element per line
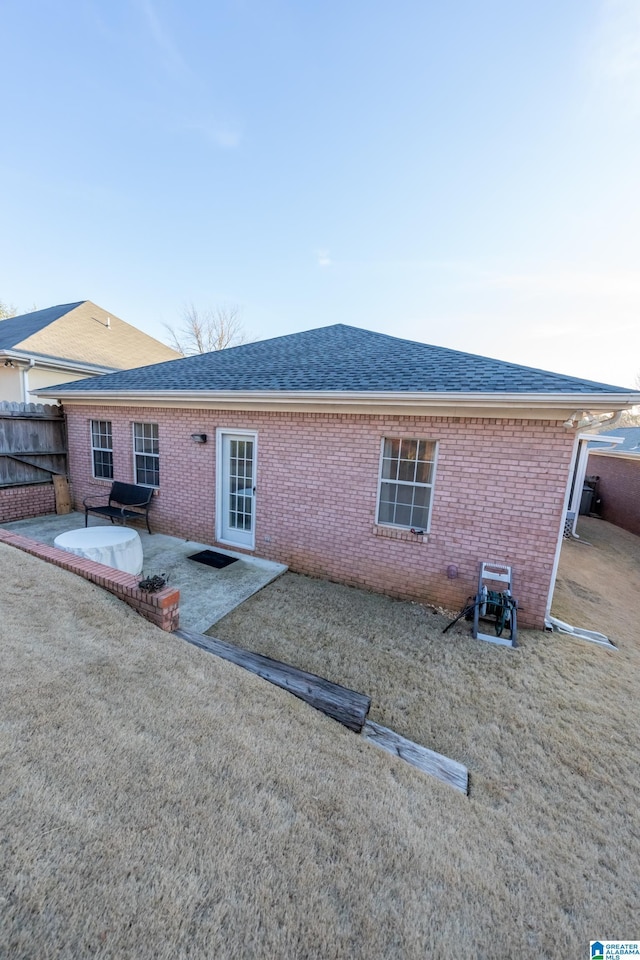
<point>158,802</point>
<point>600,587</point>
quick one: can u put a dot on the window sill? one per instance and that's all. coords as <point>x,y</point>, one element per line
<point>399,533</point>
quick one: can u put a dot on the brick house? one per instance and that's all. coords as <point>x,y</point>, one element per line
<point>348,455</point>
<point>618,469</point>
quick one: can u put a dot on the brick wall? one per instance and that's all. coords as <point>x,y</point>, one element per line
<point>499,492</point>
<point>619,489</point>
<point>18,503</point>
<point>161,608</point>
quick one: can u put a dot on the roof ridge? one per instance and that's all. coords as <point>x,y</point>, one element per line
<point>56,306</point>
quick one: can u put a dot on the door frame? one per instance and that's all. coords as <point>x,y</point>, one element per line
<point>221,432</point>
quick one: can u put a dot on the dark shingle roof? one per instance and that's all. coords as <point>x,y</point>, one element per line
<point>16,329</point>
<point>340,358</point>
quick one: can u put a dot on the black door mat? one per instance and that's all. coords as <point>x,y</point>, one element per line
<point>212,559</point>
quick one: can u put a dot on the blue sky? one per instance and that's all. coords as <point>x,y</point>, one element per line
<point>462,174</point>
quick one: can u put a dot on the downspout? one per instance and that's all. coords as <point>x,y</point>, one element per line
<point>611,421</point>
<point>24,379</point>
<point>580,472</point>
<point>556,559</point>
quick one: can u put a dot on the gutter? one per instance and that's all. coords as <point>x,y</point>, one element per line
<point>46,362</point>
<point>618,454</point>
<point>603,402</point>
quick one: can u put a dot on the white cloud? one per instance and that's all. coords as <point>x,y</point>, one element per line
<point>574,320</point>
<point>324,260</point>
<point>616,51</point>
<point>611,284</point>
<point>222,134</point>
<point>172,59</point>
<point>227,136</point>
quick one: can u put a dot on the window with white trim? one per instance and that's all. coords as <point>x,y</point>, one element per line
<point>407,471</point>
<point>146,453</point>
<point>102,449</point>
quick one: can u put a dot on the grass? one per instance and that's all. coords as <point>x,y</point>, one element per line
<point>158,802</point>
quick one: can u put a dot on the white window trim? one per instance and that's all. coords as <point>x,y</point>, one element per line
<point>220,432</point>
<point>432,485</point>
<point>101,449</point>
<point>152,486</point>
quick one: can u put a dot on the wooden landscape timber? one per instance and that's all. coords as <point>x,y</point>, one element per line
<point>347,706</point>
<point>340,703</point>
<point>449,771</point>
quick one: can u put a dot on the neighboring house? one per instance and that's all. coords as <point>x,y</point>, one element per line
<point>69,342</point>
<point>617,467</point>
<point>349,455</point>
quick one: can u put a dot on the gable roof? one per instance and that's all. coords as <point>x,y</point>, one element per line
<point>338,360</point>
<point>82,333</point>
<point>14,330</point>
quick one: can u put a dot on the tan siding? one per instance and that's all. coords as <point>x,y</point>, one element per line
<point>90,334</point>
<point>39,379</point>
<point>10,384</point>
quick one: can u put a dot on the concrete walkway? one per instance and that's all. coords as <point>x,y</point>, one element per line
<point>206,594</point>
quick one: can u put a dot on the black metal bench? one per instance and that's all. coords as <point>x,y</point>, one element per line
<point>127,501</point>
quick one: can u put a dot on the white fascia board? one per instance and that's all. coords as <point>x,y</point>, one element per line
<point>602,402</point>
<point>611,443</point>
<point>593,437</point>
<point>618,454</point>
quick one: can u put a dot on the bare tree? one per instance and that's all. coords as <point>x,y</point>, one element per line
<point>7,310</point>
<point>630,418</point>
<point>202,331</point>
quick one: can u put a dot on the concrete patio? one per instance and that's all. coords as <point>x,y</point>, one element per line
<point>206,593</point>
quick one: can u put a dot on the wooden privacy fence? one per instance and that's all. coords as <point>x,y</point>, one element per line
<point>33,444</point>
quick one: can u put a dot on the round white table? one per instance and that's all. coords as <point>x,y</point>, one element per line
<point>114,546</point>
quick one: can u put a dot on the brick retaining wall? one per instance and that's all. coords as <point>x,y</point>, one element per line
<point>18,503</point>
<point>161,608</point>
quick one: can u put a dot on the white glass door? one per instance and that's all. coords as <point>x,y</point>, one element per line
<point>236,491</point>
